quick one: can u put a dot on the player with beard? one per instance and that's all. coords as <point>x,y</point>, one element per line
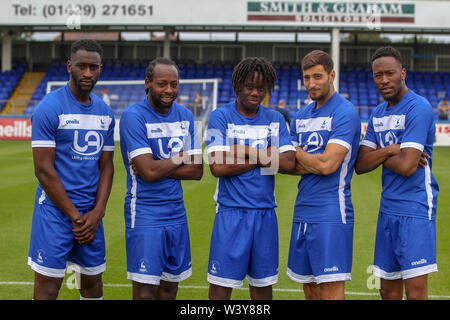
<point>400,136</point>
<point>160,147</point>
<point>326,134</point>
<point>73,146</point>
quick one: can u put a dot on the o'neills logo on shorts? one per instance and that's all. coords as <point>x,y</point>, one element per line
<point>421,261</point>
<point>332,269</point>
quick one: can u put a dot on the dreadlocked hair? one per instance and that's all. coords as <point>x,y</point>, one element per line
<point>246,69</point>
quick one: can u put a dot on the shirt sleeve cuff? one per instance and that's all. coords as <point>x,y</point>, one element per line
<point>369,144</point>
<point>414,145</point>
<point>138,152</point>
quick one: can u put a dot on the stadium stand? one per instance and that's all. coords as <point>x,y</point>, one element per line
<point>356,84</point>
<point>9,81</point>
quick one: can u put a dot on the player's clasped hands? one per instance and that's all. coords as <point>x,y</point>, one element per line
<point>86,227</point>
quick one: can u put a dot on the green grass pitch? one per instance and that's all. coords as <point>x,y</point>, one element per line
<point>18,185</point>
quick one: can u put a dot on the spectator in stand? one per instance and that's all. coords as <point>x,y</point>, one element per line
<point>444,109</point>
<point>281,108</point>
<point>105,97</point>
<point>197,104</point>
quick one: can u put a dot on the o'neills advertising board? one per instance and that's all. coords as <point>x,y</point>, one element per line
<point>15,129</point>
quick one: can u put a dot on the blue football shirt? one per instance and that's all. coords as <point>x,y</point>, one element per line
<point>143,130</point>
<point>79,133</point>
<point>409,123</point>
<point>327,198</point>
<point>227,126</point>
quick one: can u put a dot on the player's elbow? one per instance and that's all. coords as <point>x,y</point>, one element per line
<point>216,171</point>
<point>359,169</point>
<point>42,173</point>
<point>198,172</point>
<point>287,167</point>
<point>149,175</point>
<point>408,171</point>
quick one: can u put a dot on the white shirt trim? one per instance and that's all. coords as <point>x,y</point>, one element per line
<point>194,152</point>
<point>218,148</point>
<point>138,152</point>
<point>108,148</point>
<point>414,145</point>
<point>340,142</point>
<point>43,144</point>
<point>369,144</point>
<point>286,148</point>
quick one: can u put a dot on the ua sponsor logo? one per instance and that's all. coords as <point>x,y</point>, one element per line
<point>174,146</point>
<point>314,142</point>
<point>92,144</point>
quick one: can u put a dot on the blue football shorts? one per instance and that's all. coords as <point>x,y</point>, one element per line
<point>53,247</point>
<point>244,243</point>
<point>158,253</point>
<point>405,247</point>
<point>320,252</point>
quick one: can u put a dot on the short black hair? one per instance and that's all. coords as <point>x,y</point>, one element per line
<point>88,45</point>
<point>387,51</point>
<point>247,67</point>
<point>159,60</point>
<point>154,62</point>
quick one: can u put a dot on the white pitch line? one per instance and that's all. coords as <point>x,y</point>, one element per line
<point>126,285</point>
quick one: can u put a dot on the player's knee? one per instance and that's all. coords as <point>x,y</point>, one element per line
<point>311,291</point>
<point>46,288</point>
<point>91,286</point>
<point>416,293</point>
<point>332,290</point>
<point>167,290</point>
<point>390,294</point>
<point>143,291</point>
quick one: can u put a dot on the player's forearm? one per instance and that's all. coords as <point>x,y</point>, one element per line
<point>104,186</point>
<point>54,189</point>
<point>228,164</point>
<point>318,163</point>
<point>287,162</point>
<point>164,169</point>
<point>154,170</point>
<point>369,159</point>
<point>401,165</point>
<point>299,170</point>
<point>193,171</point>
<point>223,170</point>
<point>261,157</point>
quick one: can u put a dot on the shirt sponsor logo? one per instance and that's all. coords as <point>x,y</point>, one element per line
<point>92,139</point>
<point>314,124</point>
<point>393,122</point>
<point>167,129</point>
<point>84,122</point>
<point>253,132</point>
